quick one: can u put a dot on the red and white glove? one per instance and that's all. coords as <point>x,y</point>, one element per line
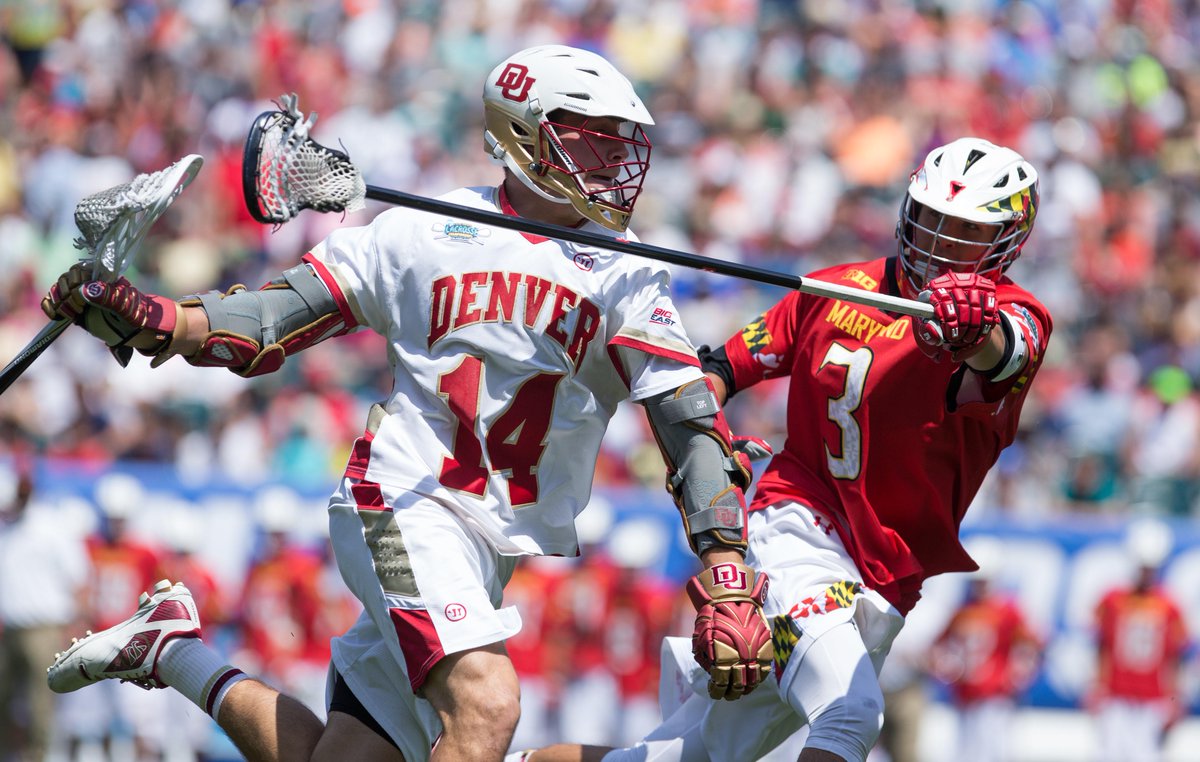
<point>115,313</point>
<point>964,313</point>
<point>731,641</point>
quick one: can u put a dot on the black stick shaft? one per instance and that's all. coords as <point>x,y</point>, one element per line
<point>658,253</point>
<point>31,352</point>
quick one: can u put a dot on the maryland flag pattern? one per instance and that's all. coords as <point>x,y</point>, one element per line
<point>785,633</point>
<point>1025,201</point>
<point>839,595</point>
<point>785,629</point>
<point>756,336</point>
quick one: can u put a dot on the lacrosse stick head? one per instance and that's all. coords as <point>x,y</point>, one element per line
<point>112,223</point>
<point>284,171</point>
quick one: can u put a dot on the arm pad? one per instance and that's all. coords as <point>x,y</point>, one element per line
<point>1016,350</point>
<point>704,476</point>
<point>252,332</point>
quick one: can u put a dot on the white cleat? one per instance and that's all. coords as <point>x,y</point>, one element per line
<point>128,651</point>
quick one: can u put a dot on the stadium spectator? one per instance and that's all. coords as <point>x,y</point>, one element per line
<point>1096,418</point>
<point>1162,448</point>
<point>1141,639</point>
<point>43,571</point>
<point>484,449</point>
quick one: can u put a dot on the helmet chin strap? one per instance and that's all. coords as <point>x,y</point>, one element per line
<point>498,153</point>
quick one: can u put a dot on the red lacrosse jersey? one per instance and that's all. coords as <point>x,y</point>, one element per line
<point>121,571</point>
<point>281,599</point>
<point>888,444</point>
<point>1142,638</point>
<point>580,609</point>
<point>533,590</point>
<point>206,591</point>
<point>639,617</point>
<point>991,647</point>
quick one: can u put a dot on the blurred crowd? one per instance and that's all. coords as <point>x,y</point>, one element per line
<point>785,133</point>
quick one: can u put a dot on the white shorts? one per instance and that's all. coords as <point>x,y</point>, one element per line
<point>814,588</point>
<point>429,587</point>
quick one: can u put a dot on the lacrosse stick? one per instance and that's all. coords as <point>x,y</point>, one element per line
<point>113,224</point>
<point>284,171</point>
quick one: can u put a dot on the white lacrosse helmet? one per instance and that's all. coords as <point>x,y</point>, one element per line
<point>522,94</point>
<point>119,495</point>
<point>1148,542</point>
<point>276,508</point>
<point>973,180</point>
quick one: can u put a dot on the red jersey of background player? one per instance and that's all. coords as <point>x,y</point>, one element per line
<point>640,615</point>
<point>986,650</point>
<point>121,569</point>
<point>1142,639</point>
<point>533,590</point>
<point>281,600</point>
<point>579,612</point>
<point>885,443</point>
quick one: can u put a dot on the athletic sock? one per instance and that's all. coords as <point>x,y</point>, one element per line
<point>199,673</point>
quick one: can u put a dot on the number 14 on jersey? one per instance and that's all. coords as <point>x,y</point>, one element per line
<point>511,445</point>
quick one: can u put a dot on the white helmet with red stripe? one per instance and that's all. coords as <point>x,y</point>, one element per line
<point>973,180</point>
<point>523,97</point>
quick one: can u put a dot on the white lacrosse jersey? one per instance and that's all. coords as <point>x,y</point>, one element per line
<point>510,353</point>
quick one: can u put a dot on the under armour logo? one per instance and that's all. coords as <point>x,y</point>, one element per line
<point>514,82</point>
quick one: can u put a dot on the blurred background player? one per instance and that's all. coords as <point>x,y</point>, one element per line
<point>988,655</point>
<point>279,605</point>
<point>122,563</point>
<point>579,621</point>
<point>187,731</point>
<point>43,573</point>
<point>641,613</point>
<point>509,354</point>
<point>538,656</point>
<point>1141,640</point>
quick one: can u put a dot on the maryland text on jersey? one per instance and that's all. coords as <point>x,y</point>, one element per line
<point>862,326</point>
<point>508,297</point>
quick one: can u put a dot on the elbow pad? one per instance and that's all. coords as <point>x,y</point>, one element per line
<point>706,479</point>
<point>252,332</point>
<point>1016,350</point>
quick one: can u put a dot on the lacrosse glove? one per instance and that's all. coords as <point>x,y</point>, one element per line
<point>964,312</point>
<point>731,640</point>
<point>116,313</point>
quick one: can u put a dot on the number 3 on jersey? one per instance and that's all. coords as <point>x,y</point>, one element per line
<point>514,441</point>
<point>841,409</point>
